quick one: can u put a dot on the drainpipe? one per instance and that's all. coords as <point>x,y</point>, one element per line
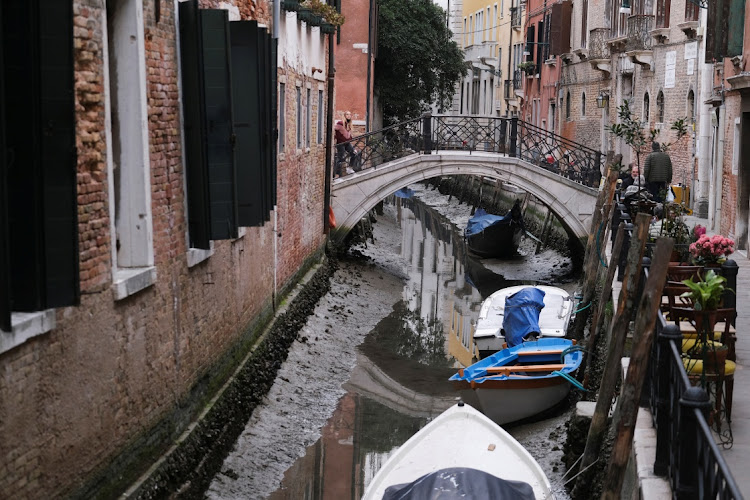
<point>329,131</point>
<point>511,76</point>
<point>369,68</point>
<point>275,28</point>
<point>276,17</point>
<point>702,187</point>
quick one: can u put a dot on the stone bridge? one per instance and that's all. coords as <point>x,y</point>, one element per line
<point>355,195</point>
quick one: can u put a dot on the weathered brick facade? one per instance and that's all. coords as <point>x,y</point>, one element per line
<point>115,381</point>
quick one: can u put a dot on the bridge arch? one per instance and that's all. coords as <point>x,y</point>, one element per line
<point>355,195</point>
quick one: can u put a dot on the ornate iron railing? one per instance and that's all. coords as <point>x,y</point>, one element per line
<point>515,17</point>
<point>476,133</point>
<point>598,47</point>
<point>518,79</point>
<point>639,37</point>
<point>471,133</point>
<point>381,146</point>
<point>558,154</point>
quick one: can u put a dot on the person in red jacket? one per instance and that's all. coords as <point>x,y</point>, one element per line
<point>343,131</point>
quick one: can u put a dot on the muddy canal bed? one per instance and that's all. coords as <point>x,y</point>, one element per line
<point>370,367</point>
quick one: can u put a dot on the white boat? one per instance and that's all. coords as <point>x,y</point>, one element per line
<point>461,443</point>
<point>554,318</point>
<point>521,381</point>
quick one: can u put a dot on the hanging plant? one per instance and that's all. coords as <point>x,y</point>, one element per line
<point>290,5</point>
<point>327,13</point>
<point>528,67</point>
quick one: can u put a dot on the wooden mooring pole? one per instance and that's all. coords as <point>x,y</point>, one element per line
<point>596,320</point>
<point>630,395</point>
<point>618,333</point>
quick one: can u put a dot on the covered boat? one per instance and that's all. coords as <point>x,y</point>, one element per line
<point>521,381</point>
<point>490,235</point>
<point>553,319</point>
<point>460,454</point>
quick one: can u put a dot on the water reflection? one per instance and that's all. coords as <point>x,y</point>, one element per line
<point>401,378</point>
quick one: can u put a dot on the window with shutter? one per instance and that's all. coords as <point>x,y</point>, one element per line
<point>40,257</point>
<point>540,47</point>
<point>559,29</point>
<point>5,308</point>
<point>584,23</point>
<point>529,43</point>
<point>662,13</point>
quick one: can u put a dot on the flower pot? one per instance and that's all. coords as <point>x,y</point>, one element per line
<point>290,5</point>
<point>305,15</point>
<point>327,28</point>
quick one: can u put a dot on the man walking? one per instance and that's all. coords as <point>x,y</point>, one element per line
<point>657,172</point>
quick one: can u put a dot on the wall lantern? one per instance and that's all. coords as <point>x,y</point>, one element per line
<point>602,100</point>
<point>625,7</point>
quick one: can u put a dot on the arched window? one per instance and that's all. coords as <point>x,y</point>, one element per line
<point>660,107</point>
<point>583,104</point>
<point>567,107</point>
<point>646,108</point>
<point>691,106</point>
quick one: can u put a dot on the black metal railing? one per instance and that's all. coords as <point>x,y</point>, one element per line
<point>381,146</point>
<point>639,37</point>
<point>598,47</point>
<point>518,79</point>
<point>686,452</point>
<point>560,155</point>
<point>509,136</point>
<point>471,133</point>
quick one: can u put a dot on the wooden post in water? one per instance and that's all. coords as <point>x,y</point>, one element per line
<point>619,330</point>
<point>591,259</point>
<point>545,231</point>
<point>596,320</point>
<point>630,395</point>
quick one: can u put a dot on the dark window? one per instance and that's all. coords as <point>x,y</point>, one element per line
<point>662,13</point>
<point>229,80</point>
<point>38,196</point>
<point>299,118</point>
<point>308,119</point>
<point>660,107</point>
<point>646,108</point>
<point>583,104</point>
<point>584,23</point>
<point>692,10</point>
<point>567,107</point>
<point>691,107</point>
<point>559,30</point>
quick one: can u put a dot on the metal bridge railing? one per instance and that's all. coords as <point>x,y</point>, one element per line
<point>509,136</point>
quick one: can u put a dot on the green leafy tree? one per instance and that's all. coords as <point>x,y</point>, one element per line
<point>418,63</point>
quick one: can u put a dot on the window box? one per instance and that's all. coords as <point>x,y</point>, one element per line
<point>290,5</point>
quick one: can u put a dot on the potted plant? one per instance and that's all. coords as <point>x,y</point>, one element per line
<point>528,67</point>
<point>325,14</point>
<point>290,5</point>
<point>711,251</point>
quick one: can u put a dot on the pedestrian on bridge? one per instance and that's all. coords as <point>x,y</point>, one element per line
<point>658,172</point>
<point>343,131</point>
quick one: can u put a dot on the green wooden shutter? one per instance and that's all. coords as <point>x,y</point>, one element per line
<point>5,308</point>
<point>736,34</point>
<point>199,211</point>
<point>264,76</point>
<point>247,124</point>
<point>219,133</point>
<point>39,102</point>
<point>274,116</point>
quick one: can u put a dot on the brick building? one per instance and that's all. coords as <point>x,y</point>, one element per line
<point>155,224</point>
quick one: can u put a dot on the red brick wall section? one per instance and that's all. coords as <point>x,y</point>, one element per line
<point>73,398</point>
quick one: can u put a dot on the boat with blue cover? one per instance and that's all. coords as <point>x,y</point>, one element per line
<point>489,235</point>
<point>524,380</point>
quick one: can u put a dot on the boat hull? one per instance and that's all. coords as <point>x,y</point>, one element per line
<point>505,403</point>
<point>460,437</point>
<point>500,240</point>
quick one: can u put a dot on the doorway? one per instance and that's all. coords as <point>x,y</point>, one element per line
<point>743,184</point>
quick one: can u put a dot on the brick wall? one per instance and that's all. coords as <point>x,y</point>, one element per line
<point>73,400</point>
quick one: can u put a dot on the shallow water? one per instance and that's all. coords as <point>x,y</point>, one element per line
<point>374,365</point>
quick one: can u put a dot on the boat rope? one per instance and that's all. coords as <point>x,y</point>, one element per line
<point>570,349</point>
<point>583,308</point>
<point>570,379</point>
<point>581,472</point>
<point>572,467</point>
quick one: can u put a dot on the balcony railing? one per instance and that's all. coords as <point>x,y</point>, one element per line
<point>598,48</point>
<point>518,79</point>
<point>639,37</point>
<point>515,17</point>
<point>482,50</point>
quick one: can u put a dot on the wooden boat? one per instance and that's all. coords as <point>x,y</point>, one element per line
<point>522,381</point>
<point>490,235</point>
<point>462,449</point>
<point>554,317</point>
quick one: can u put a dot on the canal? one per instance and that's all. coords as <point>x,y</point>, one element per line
<point>370,367</point>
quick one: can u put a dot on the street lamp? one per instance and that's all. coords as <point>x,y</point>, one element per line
<point>602,100</point>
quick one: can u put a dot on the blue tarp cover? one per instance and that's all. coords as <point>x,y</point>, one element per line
<point>404,193</point>
<point>460,483</point>
<point>521,315</point>
<point>482,220</point>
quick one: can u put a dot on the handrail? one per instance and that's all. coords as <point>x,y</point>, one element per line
<point>685,449</point>
<point>509,136</point>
